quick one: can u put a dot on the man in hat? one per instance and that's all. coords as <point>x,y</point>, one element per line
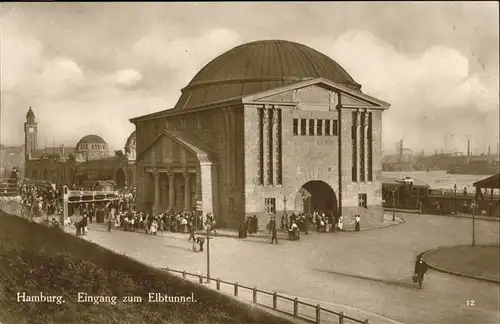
<point>420,270</point>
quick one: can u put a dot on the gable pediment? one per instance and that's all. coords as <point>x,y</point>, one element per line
<point>348,100</point>
<point>317,92</point>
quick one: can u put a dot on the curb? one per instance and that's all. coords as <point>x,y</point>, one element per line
<point>456,273</point>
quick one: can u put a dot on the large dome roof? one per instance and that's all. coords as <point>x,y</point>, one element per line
<point>91,139</point>
<point>260,66</point>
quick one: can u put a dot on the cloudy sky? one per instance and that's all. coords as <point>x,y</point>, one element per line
<point>89,67</point>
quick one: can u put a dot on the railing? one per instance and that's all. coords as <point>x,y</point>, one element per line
<point>318,310</point>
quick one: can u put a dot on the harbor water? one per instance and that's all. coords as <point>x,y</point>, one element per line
<point>439,179</point>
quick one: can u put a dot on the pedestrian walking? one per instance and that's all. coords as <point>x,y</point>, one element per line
<point>273,229</point>
<point>419,270</point>
<point>191,232</point>
<point>110,223</point>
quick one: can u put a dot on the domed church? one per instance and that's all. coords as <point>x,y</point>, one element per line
<point>267,128</point>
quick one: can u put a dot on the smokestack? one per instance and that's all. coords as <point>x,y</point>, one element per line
<point>468,147</point>
<point>489,150</point>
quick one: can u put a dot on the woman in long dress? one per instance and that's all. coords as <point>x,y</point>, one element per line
<point>154,227</point>
<point>341,223</point>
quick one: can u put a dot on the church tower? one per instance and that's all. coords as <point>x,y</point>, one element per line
<point>30,134</point>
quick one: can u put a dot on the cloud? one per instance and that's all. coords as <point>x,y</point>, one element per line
<point>127,77</point>
<point>429,91</point>
<point>19,52</point>
<point>185,56</point>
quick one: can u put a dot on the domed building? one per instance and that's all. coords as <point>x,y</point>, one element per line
<point>92,146</point>
<point>266,128</point>
<point>90,161</point>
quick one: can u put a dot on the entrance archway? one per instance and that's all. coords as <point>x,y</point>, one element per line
<point>120,178</point>
<point>316,195</point>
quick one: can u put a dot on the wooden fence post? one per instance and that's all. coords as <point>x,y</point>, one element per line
<point>318,314</point>
<point>341,318</point>
<point>184,274</point>
<point>295,307</point>
<point>275,300</point>
<point>236,289</point>
<point>255,294</point>
<point>217,282</point>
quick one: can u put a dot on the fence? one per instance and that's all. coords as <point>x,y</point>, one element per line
<point>317,309</point>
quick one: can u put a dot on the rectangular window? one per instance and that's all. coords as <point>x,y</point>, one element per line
<point>319,128</point>
<point>295,126</point>
<point>303,126</point>
<point>231,204</point>
<point>327,127</point>
<point>362,200</point>
<point>335,127</point>
<point>270,205</point>
<point>311,127</point>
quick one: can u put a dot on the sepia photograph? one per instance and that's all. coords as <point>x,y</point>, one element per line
<point>250,162</point>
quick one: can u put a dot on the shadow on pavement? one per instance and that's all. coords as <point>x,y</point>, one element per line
<point>388,282</point>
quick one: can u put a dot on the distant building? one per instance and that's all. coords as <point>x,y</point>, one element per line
<point>11,157</point>
<point>267,127</point>
<point>90,160</point>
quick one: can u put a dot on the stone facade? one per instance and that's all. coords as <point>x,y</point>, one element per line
<point>249,156</point>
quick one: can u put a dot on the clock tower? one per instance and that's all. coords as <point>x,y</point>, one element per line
<point>30,134</point>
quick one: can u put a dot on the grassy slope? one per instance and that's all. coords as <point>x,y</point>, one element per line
<point>34,258</point>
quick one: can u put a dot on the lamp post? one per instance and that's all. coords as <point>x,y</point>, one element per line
<point>208,252</point>
<point>393,204</point>
<point>473,229</point>
<point>455,199</point>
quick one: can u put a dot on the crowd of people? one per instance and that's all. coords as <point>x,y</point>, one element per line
<point>295,224</point>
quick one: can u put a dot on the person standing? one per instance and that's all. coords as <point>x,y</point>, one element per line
<point>191,232</point>
<point>420,270</point>
<point>110,223</point>
<point>272,228</point>
<point>341,223</point>
<point>357,219</point>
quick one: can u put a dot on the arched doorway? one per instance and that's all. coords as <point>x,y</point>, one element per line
<point>120,178</point>
<point>316,195</point>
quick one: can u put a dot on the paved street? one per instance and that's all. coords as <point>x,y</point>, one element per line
<point>365,274</point>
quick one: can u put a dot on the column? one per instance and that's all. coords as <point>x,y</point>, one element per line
<point>206,187</point>
<point>187,192</point>
<point>276,146</point>
<point>157,190</point>
<point>260,148</point>
<point>359,135</point>
<point>171,190</point>
<point>366,146</point>
<point>265,144</point>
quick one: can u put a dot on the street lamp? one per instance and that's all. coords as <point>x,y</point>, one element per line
<point>208,250</point>
<point>393,204</point>
<point>473,229</point>
<point>455,199</point>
